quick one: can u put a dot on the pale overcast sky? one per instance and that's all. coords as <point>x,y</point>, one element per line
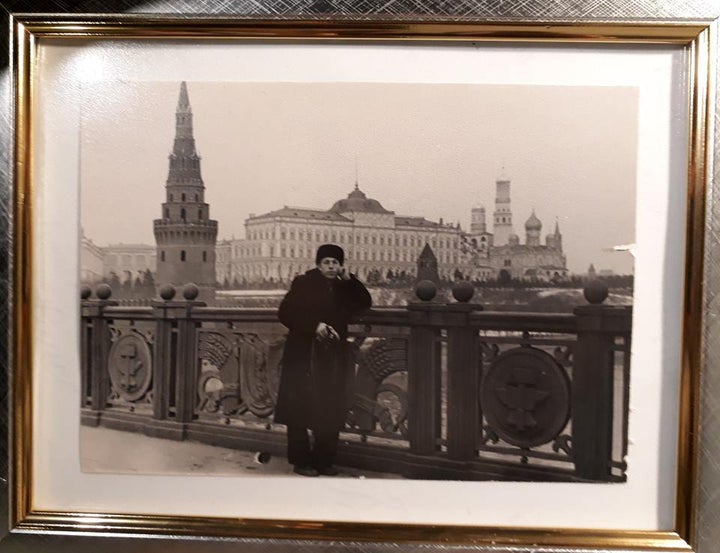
<point>432,150</point>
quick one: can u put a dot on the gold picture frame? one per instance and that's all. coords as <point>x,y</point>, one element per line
<point>699,40</point>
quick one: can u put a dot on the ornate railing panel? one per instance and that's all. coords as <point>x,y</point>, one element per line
<point>239,372</point>
<point>379,402</point>
<point>525,396</point>
<point>130,366</point>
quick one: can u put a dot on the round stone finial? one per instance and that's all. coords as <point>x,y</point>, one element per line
<point>596,292</point>
<point>103,291</point>
<point>85,292</point>
<point>462,291</point>
<point>425,290</point>
<point>167,292</point>
<point>191,291</point>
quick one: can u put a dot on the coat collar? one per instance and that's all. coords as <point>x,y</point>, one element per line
<point>316,276</point>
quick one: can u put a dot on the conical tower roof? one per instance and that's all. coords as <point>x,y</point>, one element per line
<point>427,254</point>
<point>427,265</point>
<point>184,160</point>
<point>183,100</point>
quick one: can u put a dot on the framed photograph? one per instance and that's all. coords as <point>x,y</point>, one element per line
<point>381,280</point>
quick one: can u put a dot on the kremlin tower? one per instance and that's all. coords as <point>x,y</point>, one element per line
<point>185,235</point>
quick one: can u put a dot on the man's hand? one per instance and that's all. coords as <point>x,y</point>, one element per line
<point>325,332</point>
<point>344,274</point>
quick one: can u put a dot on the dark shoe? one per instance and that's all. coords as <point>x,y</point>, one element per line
<point>328,471</point>
<point>305,471</point>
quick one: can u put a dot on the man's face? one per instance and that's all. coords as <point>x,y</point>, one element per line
<point>329,267</point>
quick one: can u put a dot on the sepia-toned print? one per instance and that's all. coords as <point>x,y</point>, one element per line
<point>358,280</point>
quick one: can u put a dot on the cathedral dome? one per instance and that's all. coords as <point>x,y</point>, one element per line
<point>533,223</point>
<point>358,201</point>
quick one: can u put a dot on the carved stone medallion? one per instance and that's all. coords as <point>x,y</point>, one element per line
<point>525,397</point>
<point>130,367</point>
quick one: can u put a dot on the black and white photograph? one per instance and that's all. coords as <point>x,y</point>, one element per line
<point>357,280</point>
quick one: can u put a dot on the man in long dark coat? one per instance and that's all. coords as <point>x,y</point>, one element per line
<point>311,397</point>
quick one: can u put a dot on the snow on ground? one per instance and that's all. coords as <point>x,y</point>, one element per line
<point>112,451</point>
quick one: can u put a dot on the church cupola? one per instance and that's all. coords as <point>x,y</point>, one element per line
<point>533,226</point>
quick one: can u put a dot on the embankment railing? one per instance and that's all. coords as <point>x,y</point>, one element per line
<point>437,390</point>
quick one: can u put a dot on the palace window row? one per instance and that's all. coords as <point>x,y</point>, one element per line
<point>359,238</point>
<point>364,255</point>
<point>126,259</point>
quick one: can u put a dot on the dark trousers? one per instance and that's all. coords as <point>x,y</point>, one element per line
<point>320,454</point>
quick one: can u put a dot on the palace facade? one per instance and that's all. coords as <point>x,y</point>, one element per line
<point>127,261</point>
<point>380,244</point>
<point>282,243</point>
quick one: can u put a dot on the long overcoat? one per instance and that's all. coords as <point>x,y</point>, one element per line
<point>314,372</point>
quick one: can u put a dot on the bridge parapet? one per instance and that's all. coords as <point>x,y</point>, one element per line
<point>439,390</point>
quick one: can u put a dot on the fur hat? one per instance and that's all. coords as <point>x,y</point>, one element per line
<point>330,250</point>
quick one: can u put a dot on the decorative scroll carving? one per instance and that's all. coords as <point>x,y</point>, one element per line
<point>391,409</point>
<point>256,380</point>
<point>210,387</point>
<point>215,348</point>
<point>489,351</point>
<point>240,372</point>
<point>525,397</point>
<point>563,355</point>
<point>563,443</point>
<point>274,358</point>
<point>383,357</point>
<point>218,384</point>
<point>377,401</point>
<point>489,435</point>
<point>129,366</point>
<point>115,333</point>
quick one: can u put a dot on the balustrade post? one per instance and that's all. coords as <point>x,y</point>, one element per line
<point>99,349</point>
<point>176,362</point>
<point>463,382</point>
<point>187,358</point>
<point>85,307</point>
<point>163,360</point>
<point>186,367</point>
<point>593,378</point>
<point>423,383</point>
